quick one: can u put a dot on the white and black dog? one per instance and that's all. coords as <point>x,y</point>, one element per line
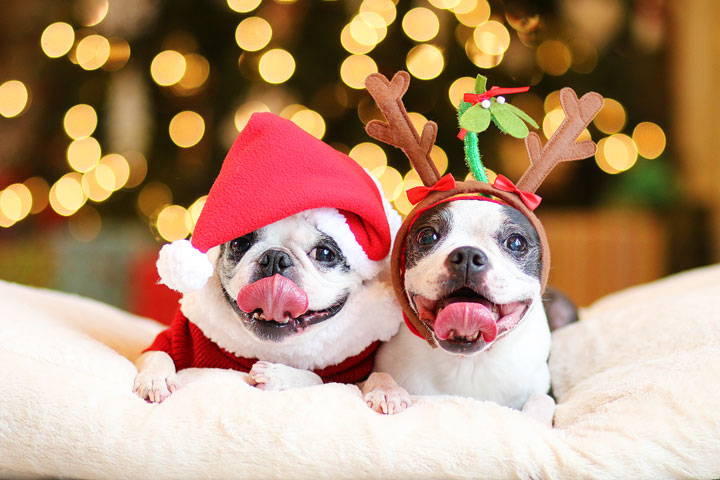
<point>473,276</point>
<point>286,276</point>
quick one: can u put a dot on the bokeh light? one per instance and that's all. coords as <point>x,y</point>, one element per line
<point>195,209</point>
<point>553,57</point>
<point>649,139</point>
<point>616,153</point>
<point>66,195</point>
<point>370,156</point>
<point>243,114</point>
<point>444,4</point>
<point>173,223</point>
<point>138,168</point>
<point>368,28</point>
<point>464,7</point>
<point>351,45</point>
<point>168,67</point>
<point>119,167</point>
<point>84,154</point>
<point>253,34</point>
<point>91,12</point>
<point>355,68</point>
<point>439,158</point>
<point>310,121</point>
<point>80,121</point>
<point>491,38</point>
<point>39,189</point>
<point>92,52</point>
<point>418,120</point>
<point>480,58</point>
<point>552,101</point>
<point>197,70</point>
<point>119,54</point>
<point>480,13</point>
<point>85,225</point>
<point>94,184</point>
<point>186,129</point>
<point>421,24</point>
<point>584,55</point>
<point>391,182</point>
<point>15,202</point>
<point>611,118</point>
<point>460,87</point>
<point>57,39</point>
<point>152,197</point>
<point>425,61</point>
<point>276,66</point>
<point>13,98</point>
<point>243,6</point>
<point>385,8</point>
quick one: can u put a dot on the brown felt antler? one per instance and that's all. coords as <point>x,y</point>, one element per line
<point>561,147</point>
<point>399,130</point>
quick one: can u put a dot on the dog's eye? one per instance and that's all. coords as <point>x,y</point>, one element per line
<point>323,254</point>
<point>240,245</point>
<point>426,236</point>
<point>516,243</point>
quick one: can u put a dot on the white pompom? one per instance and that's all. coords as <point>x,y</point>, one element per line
<point>182,267</point>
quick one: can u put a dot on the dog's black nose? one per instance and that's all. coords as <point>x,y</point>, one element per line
<point>466,260</point>
<point>274,261</point>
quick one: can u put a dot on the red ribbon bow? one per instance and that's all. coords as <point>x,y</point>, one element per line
<point>531,200</point>
<point>416,194</point>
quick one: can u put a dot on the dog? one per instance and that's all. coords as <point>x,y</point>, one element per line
<point>286,295</point>
<point>285,277</point>
<point>473,277</point>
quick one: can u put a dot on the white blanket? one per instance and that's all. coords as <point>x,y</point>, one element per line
<point>636,382</point>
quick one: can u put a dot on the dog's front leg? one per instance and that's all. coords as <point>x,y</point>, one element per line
<point>541,407</point>
<point>156,378</point>
<point>276,376</point>
<point>382,393</point>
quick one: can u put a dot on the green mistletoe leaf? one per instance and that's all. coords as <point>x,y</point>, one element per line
<point>475,119</point>
<point>480,84</point>
<point>521,114</point>
<point>507,121</point>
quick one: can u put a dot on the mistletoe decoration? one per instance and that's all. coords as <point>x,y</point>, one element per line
<point>477,110</point>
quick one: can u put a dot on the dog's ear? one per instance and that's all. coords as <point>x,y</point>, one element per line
<point>399,130</point>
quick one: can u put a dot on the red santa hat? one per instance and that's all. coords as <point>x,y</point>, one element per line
<point>275,170</point>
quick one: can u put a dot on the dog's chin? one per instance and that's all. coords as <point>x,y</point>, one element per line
<point>274,331</point>
<point>472,339</point>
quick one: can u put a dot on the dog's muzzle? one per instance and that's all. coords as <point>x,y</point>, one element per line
<point>273,298</point>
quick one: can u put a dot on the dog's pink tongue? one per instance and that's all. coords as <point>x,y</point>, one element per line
<point>278,297</point>
<point>466,318</point>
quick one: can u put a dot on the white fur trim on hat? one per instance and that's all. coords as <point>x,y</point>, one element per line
<point>182,267</point>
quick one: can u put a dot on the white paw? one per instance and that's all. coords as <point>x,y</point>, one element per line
<point>276,377</point>
<point>388,400</point>
<point>155,385</point>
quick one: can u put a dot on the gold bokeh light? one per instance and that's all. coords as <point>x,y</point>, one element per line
<point>85,225</point>
<point>620,152</point>
<point>553,57</point>
<point>84,154</point>
<point>119,167</point>
<point>57,39</point>
<point>253,34</point>
<point>276,66</point>
<point>391,182</point>
<point>421,24</point>
<point>243,114</point>
<point>173,223</point>
<point>80,121</point>
<point>552,121</point>
<point>91,12</point>
<point>310,121</point>
<point>355,68</point>
<point>351,45</point>
<point>195,209</point>
<point>649,139</point>
<point>152,197</point>
<point>13,98</point>
<point>385,8</point>
<point>480,13</point>
<point>425,61</point>
<point>168,67</point>
<point>611,118</point>
<point>243,6</point>
<point>15,202</point>
<point>92,52</point>
<point>370,156</point>
<point>40,190</point>
<point>66,195</point>
<point>93,185</point>
<point>491,38</point>
<point>186,129</point>
<point>460,87</point>
<point>197,70</point>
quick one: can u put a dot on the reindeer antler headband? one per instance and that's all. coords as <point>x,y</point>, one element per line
<point>399,132</point>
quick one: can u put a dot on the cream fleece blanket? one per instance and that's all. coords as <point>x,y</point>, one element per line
<point>636,382</point>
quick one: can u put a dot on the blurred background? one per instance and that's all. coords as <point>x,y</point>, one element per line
<point>115,116</point>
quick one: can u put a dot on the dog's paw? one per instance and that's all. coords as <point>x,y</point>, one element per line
<point>155,386</point>
<point>276,377</point>
<point>384,395</point>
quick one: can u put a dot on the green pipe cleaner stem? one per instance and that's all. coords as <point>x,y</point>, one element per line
<point>473,157</point>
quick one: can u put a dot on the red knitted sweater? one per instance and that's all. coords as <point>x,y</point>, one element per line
<point>189,347</point>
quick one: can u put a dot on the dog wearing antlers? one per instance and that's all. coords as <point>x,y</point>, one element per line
<point>469,266</point>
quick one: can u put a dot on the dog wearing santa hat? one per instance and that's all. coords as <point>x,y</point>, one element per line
<point>286,275</point>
